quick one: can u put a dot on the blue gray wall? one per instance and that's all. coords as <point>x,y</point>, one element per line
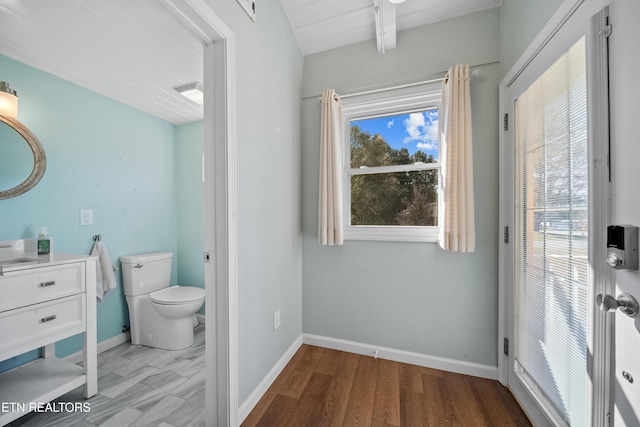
<point>520,23</point>
<point>394,294</point>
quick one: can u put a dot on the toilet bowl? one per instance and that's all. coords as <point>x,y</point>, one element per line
<point>161,316</point>
<point>177,301</point>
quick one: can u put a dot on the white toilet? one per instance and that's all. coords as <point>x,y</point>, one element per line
<point>161,316</point>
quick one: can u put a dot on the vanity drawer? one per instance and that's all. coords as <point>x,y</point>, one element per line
<point>31,286</point>
<point>42,321</point>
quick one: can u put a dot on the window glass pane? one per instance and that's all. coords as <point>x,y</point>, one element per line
<point>553,269</point>
<point>399,198</point>
<point>395,140</point>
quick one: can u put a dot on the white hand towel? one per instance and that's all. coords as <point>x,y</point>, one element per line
<point>105,276</point>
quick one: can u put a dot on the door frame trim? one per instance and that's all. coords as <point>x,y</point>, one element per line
<point>220,200</point>
<point>562,15</point>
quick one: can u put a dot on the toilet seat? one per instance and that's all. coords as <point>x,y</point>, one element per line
<point>175,295</point>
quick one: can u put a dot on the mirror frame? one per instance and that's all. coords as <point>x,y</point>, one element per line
<point>39,159</point>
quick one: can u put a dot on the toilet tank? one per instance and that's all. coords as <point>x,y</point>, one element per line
<point>145,273</point>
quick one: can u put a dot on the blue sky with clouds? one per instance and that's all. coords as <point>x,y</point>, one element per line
<point>413,131</point>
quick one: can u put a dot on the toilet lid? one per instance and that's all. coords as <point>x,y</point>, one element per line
<point>177,295</point>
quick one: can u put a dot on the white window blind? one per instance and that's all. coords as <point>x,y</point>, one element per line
<point>551,226</point>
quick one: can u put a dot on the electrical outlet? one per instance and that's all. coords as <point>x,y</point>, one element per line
<point>86,217</point>
<point>276,320</point>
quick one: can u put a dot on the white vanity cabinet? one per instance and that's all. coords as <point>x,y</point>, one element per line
<point>41,303</point>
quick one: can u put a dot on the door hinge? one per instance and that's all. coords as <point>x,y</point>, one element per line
<point>506,234</point>
<point>505,346</point>
<point>506,122</point>
<point>606,30</point>
<point>207,256</point>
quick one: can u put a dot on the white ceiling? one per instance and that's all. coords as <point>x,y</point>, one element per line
<point>321,25</point>
<point>136,51</point>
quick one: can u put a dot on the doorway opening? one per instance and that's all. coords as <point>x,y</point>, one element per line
<point>220,207</point>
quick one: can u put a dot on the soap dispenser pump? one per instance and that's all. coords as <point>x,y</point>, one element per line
<point>44,242</point>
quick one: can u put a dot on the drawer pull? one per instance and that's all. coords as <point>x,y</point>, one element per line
<point>48,319</point>
<point>45,284</point>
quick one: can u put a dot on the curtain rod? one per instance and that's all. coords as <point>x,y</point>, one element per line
<point>384,89</point>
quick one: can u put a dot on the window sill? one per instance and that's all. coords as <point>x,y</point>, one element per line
<point>393,234</point>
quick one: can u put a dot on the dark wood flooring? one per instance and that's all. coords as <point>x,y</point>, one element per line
<point>323,387</point>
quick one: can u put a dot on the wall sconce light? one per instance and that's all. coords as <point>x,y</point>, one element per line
<point>8,101</point>
<point>192,91</point>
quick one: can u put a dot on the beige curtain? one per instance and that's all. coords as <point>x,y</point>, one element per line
<point>457,232</point>
<point>330,211</point>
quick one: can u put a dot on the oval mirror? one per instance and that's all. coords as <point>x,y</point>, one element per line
<point>22,158</point>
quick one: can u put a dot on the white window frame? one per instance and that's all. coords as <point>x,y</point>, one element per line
<point>387,103</point>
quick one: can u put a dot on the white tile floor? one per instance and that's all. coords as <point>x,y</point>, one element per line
<point>139,386</point>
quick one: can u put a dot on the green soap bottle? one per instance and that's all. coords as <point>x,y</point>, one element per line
<point>44,242</point>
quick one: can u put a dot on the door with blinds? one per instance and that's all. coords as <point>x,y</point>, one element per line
<point>551,275</point>
<point>557,344</point>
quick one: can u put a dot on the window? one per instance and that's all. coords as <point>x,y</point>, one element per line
<point>552,268</point>
<point>391,164</point>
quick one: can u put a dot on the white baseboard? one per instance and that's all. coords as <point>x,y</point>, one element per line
<point>434,362</point>
<point>247,406</point>
<point>102,346</point>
